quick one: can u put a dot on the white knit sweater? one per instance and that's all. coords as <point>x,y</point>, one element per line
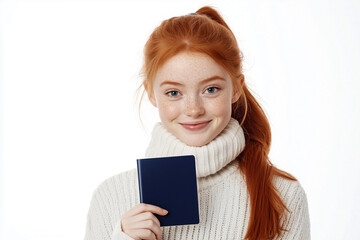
<point>224,203</point>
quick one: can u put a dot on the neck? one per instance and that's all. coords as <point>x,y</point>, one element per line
<point>209,158</point>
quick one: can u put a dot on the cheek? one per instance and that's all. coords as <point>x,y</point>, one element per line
<point>221,107</point>
<point>168,111</point>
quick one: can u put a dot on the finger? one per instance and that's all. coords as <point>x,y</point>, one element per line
<point>145,220</point>
<point>129,220</point>
<point>144,216</point>
<point>147,224</point>
<point>143,234</point>
<point>143,207</point>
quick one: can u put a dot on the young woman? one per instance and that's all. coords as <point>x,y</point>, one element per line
<point>193,75</point>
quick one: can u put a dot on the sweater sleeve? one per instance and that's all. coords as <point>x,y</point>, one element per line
<point>102,221</point>
<point>297,224</point>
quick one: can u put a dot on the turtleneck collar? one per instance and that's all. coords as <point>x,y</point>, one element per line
<point>209,158</point>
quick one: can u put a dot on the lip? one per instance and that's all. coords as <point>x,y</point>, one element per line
<point>195,126</point>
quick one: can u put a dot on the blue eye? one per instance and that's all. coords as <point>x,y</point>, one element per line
<point>212,89</point>
<point>173,93</point>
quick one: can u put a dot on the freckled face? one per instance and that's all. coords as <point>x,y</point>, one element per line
<point>193,95</point>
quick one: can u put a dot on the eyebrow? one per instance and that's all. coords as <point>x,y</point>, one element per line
<point>202,82</point>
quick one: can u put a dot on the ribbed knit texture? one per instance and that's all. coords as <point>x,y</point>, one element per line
<point>224,204</point>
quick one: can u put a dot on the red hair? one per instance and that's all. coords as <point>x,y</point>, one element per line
<point>206,32</point>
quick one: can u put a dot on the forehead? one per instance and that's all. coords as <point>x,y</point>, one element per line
<point>187,66</point>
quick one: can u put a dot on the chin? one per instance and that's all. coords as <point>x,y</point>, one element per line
<point>196,142</point>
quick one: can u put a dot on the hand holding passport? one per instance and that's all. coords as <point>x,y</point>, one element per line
<point>170,183</point>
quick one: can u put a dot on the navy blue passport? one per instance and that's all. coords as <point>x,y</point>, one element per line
<point>170,183</point>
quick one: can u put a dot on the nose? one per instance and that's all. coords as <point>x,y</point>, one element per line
<point>194,107</point>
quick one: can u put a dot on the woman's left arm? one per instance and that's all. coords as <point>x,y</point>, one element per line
<point>297,224</point>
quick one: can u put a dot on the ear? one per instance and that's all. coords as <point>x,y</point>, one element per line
<point>236,95</point>
<point>152,99</point>
<point>237,89</point>
<point>150,94</point>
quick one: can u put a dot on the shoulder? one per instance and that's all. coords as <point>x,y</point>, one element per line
<point>295,199</point>
<point>297,219</point>
<point>123,177</point>
<point>291,191</point>
<point>116,186</point>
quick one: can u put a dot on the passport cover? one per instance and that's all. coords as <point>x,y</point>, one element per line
<point>170,183</point>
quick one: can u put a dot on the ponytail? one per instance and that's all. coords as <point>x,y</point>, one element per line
<point>267,208</point>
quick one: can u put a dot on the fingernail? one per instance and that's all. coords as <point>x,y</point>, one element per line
<point>165,211</point>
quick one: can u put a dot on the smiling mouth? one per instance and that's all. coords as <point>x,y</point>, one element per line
<point>195,126</point>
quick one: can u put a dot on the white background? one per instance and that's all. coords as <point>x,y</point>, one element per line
<point>69,73</point>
